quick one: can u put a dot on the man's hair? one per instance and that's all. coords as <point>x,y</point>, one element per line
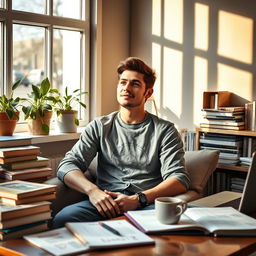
<point>136,64</point>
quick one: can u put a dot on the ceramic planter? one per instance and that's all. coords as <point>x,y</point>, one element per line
<point>35,126</point>
<point>66,121</point>
<point>7,125</point>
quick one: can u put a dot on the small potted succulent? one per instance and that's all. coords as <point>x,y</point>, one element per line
<point>38,110</point>
<point>64,104</point>
<point>9,113</point>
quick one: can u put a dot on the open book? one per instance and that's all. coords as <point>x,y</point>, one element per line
<point>221,221</point>
<point>86,236</point>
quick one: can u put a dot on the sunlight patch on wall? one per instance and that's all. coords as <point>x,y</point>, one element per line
<point>156,17</point>
<point>235,37</point>
<point>156,64</point>
<point>201,26</point>
<point>235,80</point>
<point>200,85</point>
<point>172,80</point>
<point>173,20</point>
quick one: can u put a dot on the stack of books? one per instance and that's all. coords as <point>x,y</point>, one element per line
<point>23,163</point>
<point>230,146</point>
<point>228,118</point>
<point>23,208</point>
<point>237,184</point>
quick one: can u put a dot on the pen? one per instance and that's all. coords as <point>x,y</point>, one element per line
<point>109,228</point>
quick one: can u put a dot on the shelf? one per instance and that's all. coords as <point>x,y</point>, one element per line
<point>231,132</point>
<point>240,168</point>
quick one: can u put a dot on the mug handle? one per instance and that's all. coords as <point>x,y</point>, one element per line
<point>181,208</point>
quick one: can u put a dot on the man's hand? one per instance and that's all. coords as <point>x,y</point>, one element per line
<point>104,203</point>
<point>125,203</point>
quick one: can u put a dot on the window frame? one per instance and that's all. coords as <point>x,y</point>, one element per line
<point>8,17</point>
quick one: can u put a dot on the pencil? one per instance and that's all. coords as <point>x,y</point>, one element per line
<point>112,230</point>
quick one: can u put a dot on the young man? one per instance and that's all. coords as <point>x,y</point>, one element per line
<point>140,156</point>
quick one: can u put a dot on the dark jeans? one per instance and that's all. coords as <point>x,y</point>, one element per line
<point>83,211</point>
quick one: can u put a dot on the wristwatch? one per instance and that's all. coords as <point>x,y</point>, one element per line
<point>142,199</point>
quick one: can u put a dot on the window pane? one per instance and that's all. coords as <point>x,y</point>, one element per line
<point>67,8</point>
<point>28,56</point>
<point>66,60</point>
<point>36,6</point>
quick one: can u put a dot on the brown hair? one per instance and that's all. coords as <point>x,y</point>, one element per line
<point>136,64</point>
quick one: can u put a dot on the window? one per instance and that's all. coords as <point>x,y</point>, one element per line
<point>44,38</point>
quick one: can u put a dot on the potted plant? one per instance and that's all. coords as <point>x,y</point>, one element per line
<point>67,120</point>
<point>9,113</point>
<point>38,112</point>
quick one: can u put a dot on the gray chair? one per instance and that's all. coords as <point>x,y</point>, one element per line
<point>199,164</point>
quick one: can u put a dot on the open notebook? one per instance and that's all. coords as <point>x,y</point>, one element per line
<point>244,202</point>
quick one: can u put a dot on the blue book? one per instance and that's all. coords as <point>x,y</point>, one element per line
<point>15,140</point>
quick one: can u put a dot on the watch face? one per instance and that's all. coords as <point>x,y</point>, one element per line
<point>143,200</point>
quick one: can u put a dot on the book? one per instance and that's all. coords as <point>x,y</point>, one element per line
<point>28,200</point>
<point>26,174</point>
<point>25,220</point>
<point>219,221</point>
<point>222,142</point>
<point>58,242</point>
<point>226,127</point>
<point>221,113</point>
<point>17,159</point>
<point>250,116</point>
<point>87,236</point>
<point>38,162</point>
<point>19,231</point>
<point>22,189</point>
<point>19,151</point>
<point>232,108</point>
<point>223,122</point>
<point>10,212</point>
<point>15,140</point>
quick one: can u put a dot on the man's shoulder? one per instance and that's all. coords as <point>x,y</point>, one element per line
<point>158,121</point>
<point>106,118</point>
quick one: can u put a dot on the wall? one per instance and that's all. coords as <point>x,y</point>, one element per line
<point>110,33</point>
<point>195,46</point>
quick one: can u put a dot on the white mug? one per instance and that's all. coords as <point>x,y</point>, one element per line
<point>169,209</point>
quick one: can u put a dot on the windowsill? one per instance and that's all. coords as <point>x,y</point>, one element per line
<point>54,136</point>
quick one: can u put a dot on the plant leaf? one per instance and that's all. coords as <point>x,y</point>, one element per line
<point>16,84</point>
<point>76,121</point>
<point>45,128</point>
<point>45,86</point>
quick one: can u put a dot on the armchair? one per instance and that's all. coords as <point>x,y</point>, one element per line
<point>199,164</point>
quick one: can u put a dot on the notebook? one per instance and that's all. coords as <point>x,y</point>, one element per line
<point>244,202</point>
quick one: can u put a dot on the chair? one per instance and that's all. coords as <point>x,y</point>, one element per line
<point>199,164</point>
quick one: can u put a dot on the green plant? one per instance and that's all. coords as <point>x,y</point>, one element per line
<point>39,102</point>
<point>9,105</point>
<point>67,101</point>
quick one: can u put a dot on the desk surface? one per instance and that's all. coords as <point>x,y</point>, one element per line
<point>165,245</point>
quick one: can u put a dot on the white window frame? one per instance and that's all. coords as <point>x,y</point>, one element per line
<point>8,17</point>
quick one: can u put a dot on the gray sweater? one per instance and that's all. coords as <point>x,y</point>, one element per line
<point>135,157</point>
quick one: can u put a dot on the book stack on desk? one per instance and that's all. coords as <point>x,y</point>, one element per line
<point>227,118</point>
<point>22,162</point>
<point>23,207</point>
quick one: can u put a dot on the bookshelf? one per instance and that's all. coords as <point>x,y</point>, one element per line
<point>224,172</point>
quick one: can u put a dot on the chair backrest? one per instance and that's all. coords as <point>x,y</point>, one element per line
<point>200,165</point>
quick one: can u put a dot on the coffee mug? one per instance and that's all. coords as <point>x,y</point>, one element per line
<point>169,209</point>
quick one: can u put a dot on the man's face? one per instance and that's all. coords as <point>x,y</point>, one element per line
<point>131,89</point>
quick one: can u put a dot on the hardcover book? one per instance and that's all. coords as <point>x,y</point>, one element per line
<point>26,174</point>
<point>15,140</point>
<point>17,159</point>
<point>22,189</point>
<point>19,151</point>
<point>10,212</point>
<point>38,162</point>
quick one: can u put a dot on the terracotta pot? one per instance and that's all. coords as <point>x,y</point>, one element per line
<point>7,125</point>
<point>66,121</point>
<point>35,126</point>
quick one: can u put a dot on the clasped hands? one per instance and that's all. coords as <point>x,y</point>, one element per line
<point>111,204</point>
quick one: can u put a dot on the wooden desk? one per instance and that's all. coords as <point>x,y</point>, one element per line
<point>165,245</point>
